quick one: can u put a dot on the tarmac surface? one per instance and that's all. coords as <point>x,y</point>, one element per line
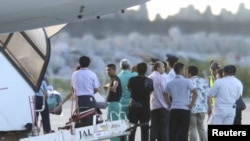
<point>59,121</point>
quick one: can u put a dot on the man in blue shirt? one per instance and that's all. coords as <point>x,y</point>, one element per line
<point>42,93</point>
<point>178,89</point>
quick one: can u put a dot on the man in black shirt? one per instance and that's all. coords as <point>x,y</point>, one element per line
<point>114,89</point>
<point>139,107</point>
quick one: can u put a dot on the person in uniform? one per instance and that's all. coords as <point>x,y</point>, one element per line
<point>240,102</point>
<point>40,95</point>
<point>225,92</point>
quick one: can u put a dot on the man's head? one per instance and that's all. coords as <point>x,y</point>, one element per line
<point>141,68</point>
<point>111,70</point>
<point>159,66</point>
<point>192,71</point>
<point>179,68</point>
<point>152,62</point>
<point>229,70</point>
<point>84,61</point>
<point>171,60</point>
<point>214,67</point>
<point>124,64</point>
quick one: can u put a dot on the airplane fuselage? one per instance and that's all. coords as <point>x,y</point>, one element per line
<point>20,15</point>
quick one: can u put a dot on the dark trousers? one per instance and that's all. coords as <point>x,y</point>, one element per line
<point>86,102</point>
<point>159,125</point>
<point>139,115</point>
<point>44,114</point>
<point>237,118</point>
<point>179,125</point>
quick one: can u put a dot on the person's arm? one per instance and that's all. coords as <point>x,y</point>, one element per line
<point>194,97</point>
<point>66,98</point>
<point>96,90</point>
<point>167,99</point>
<point>46,94</point>
<point>129,85</point>
<point>105,87</point>
<point>114,87</point>
<point>209,103</point>
<point>166,96</point>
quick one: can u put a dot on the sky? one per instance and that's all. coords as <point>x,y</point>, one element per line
<point>171,7</point>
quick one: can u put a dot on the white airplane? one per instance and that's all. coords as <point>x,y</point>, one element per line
<point>25,29</point>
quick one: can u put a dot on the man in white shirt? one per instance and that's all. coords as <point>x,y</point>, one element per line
<point>171,60</point>
<point>85,84</point>
<point>165,75</point>
<point>238,114</point>
<point>225,92</point>
<point>159,108</point>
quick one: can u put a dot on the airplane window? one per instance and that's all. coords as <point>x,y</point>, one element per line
<point>26,58</point>
<point>39,39</point>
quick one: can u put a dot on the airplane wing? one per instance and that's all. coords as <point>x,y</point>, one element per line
<point>21,15</point>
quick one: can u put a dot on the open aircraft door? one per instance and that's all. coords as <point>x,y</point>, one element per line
<point>24,58</point>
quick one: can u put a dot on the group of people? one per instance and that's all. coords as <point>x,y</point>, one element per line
<point>170,105</point>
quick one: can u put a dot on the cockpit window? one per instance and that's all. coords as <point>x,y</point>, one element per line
<point>29,52</point>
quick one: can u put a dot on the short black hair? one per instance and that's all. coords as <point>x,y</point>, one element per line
<point>84,61</point>
<point>234,72</point>
<point>171,59</point>
<point>112,66</point>
<point>141,68</point>
<point>230,69</point>
<point>178,66</point>
<point>156,65</point>
<point>193,70</point>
